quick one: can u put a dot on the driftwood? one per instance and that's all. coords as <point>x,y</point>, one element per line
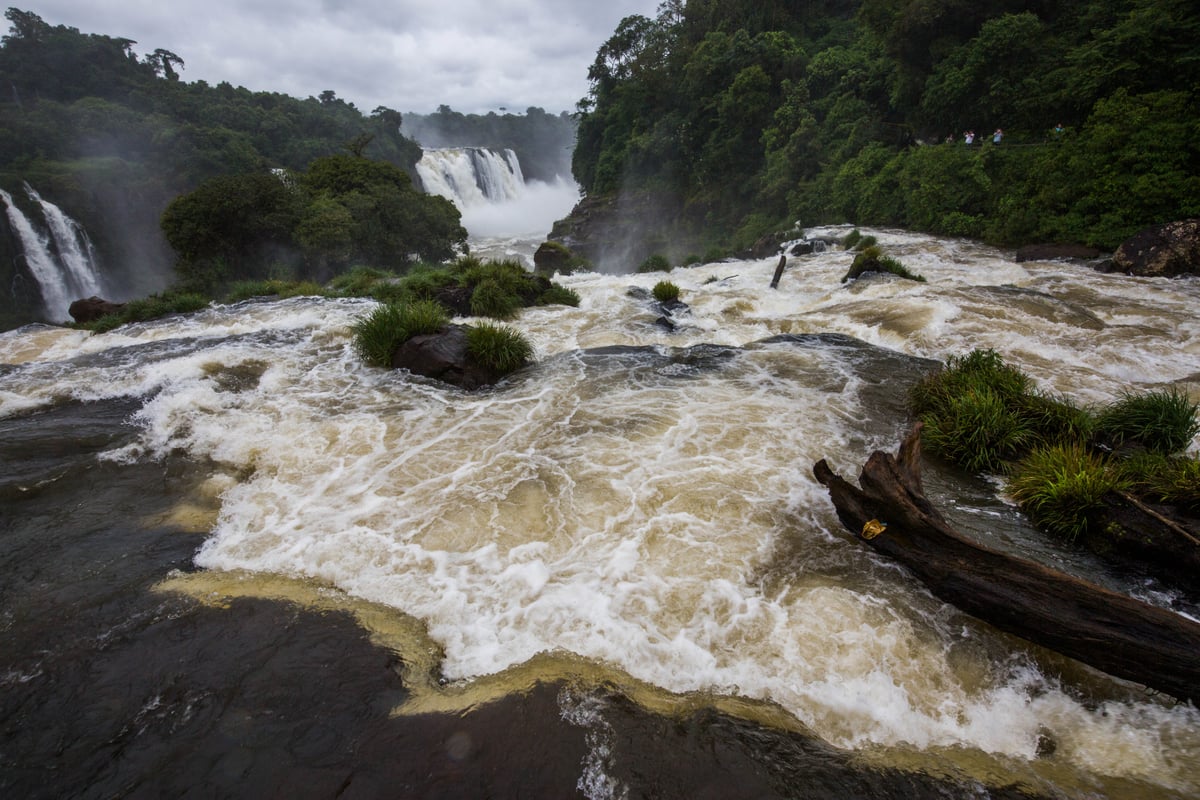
<point>1109,631</point>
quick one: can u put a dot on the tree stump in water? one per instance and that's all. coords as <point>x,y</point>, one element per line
<point>1109,631</point>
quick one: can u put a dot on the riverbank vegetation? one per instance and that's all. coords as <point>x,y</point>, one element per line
<point>464,287</point>
<point>735,119</point>
<point>1061,461</point>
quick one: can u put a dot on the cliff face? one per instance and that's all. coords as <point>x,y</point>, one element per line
<point>120,214</point>
<point>617,232</point>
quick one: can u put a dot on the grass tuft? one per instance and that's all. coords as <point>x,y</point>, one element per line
<point>377,336</point>
<point>558,295</point>
<point>655,263</point>
<point>665,292</point>
<point>499,348</point>
<point>1163,422</point>
<point>1062,488</point>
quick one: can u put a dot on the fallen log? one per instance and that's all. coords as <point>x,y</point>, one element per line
<point>1106,630</point>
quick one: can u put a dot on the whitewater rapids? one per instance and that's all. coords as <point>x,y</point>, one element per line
<point>643,498</point>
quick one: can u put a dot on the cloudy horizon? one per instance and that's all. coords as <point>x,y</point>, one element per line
<point>472,55</point>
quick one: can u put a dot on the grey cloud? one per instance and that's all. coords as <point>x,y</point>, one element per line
<point>473,55</point>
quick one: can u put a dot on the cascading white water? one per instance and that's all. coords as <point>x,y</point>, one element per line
<point>61,259</point>
<point>501,212</point>
<point>471,176</point>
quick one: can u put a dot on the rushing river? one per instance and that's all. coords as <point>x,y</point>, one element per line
<point>235,560</point>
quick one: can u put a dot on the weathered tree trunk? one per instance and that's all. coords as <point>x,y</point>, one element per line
<point>1114,633</point>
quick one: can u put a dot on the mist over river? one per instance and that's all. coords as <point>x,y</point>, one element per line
<point>235,560</point>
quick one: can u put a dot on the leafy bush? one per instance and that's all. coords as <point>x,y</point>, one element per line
<point>665,292</point>
<point>499,348</point>
<point>1062,487</point>
<point>866,241</point>
<point>655,263</point>
<point>378,335</point>
<point>1164,422</point>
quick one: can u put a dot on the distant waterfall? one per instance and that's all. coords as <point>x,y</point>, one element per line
<point>60,257</point>
<point>472,176</point>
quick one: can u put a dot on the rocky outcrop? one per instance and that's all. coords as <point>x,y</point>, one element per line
<point>552,257</point>
<point>443,356</point>
<point>617,233</point>
<point>1050,252</point>
<point>92,309</point>
<point>1161,251</point>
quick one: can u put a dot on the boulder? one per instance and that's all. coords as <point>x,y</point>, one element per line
<point>552,257</point>
<point>1162,250</point>
<point>443,356</point>
<point>92,309</point>
<point>1050,252</point>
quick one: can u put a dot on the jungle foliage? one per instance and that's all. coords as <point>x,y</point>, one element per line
<point>742,117</point>
<point>342,210</point>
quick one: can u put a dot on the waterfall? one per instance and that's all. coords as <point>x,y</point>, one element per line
<point>61,258</point>
<point>471,176</point>
<point>497,204</point>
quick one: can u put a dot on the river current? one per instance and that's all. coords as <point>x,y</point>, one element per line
<point>218,522</point>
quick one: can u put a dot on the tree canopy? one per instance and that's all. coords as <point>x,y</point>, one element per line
<point>737,117</point>
<point>343,210</point>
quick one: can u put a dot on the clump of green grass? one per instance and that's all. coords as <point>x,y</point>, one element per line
<point>978,431</point>
<point>655,263</point>
<point>491,298</point>
<point>558,295</point>
<point>665,292</point>
<point>1060,460</point>
<point>148,308</point>
<point>1163,479</point>
<point>872,259</point>
<point>360,281</point>
<point>1163,422</point>
<point>852,238</point>
<point>962,374</point>
<point>377,336</point>
<point>498,348</point>
<point>981,413</point>
<point>273,287</point>
<point>1062,488</point>
<point>866,241</point>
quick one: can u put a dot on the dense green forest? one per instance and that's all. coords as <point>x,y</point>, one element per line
<point>735,118</point>
<point>542,141</point>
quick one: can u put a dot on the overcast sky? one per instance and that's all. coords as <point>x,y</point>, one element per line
<point>411,55</point>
